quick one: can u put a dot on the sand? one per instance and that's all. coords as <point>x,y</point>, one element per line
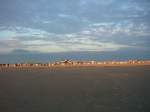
<point>75,89</point>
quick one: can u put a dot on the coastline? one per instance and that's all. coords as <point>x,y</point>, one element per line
<point>70,63</point>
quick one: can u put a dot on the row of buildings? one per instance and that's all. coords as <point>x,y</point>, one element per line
<point>92,62</point>
<point>78,63</point>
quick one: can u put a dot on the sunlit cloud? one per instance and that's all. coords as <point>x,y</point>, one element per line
<point>43,41</point>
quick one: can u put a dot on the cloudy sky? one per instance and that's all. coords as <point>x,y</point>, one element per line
<point>48,26</point>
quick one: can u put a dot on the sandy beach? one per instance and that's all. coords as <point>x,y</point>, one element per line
<point>75,89</point>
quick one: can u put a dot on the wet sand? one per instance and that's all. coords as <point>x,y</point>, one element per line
<point>75,89</point>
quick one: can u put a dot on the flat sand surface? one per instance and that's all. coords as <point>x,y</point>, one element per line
<point>75,89</point>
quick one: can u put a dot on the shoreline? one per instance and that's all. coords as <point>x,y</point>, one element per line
<point>69,63</point>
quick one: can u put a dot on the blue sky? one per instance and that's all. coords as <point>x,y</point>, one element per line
<point>51,26</point>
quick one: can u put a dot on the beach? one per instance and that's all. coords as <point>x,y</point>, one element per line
<point>75,89</point>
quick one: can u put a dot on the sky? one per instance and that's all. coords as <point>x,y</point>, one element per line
<point>56,26</point>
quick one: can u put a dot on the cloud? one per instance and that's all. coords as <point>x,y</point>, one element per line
<point>99,2</point>
<point>9,45</point>
<point>41,41</point>
<point>65,15</point>
<point>10,32</point>
<point>88,44</point>
<point>125,28</point>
